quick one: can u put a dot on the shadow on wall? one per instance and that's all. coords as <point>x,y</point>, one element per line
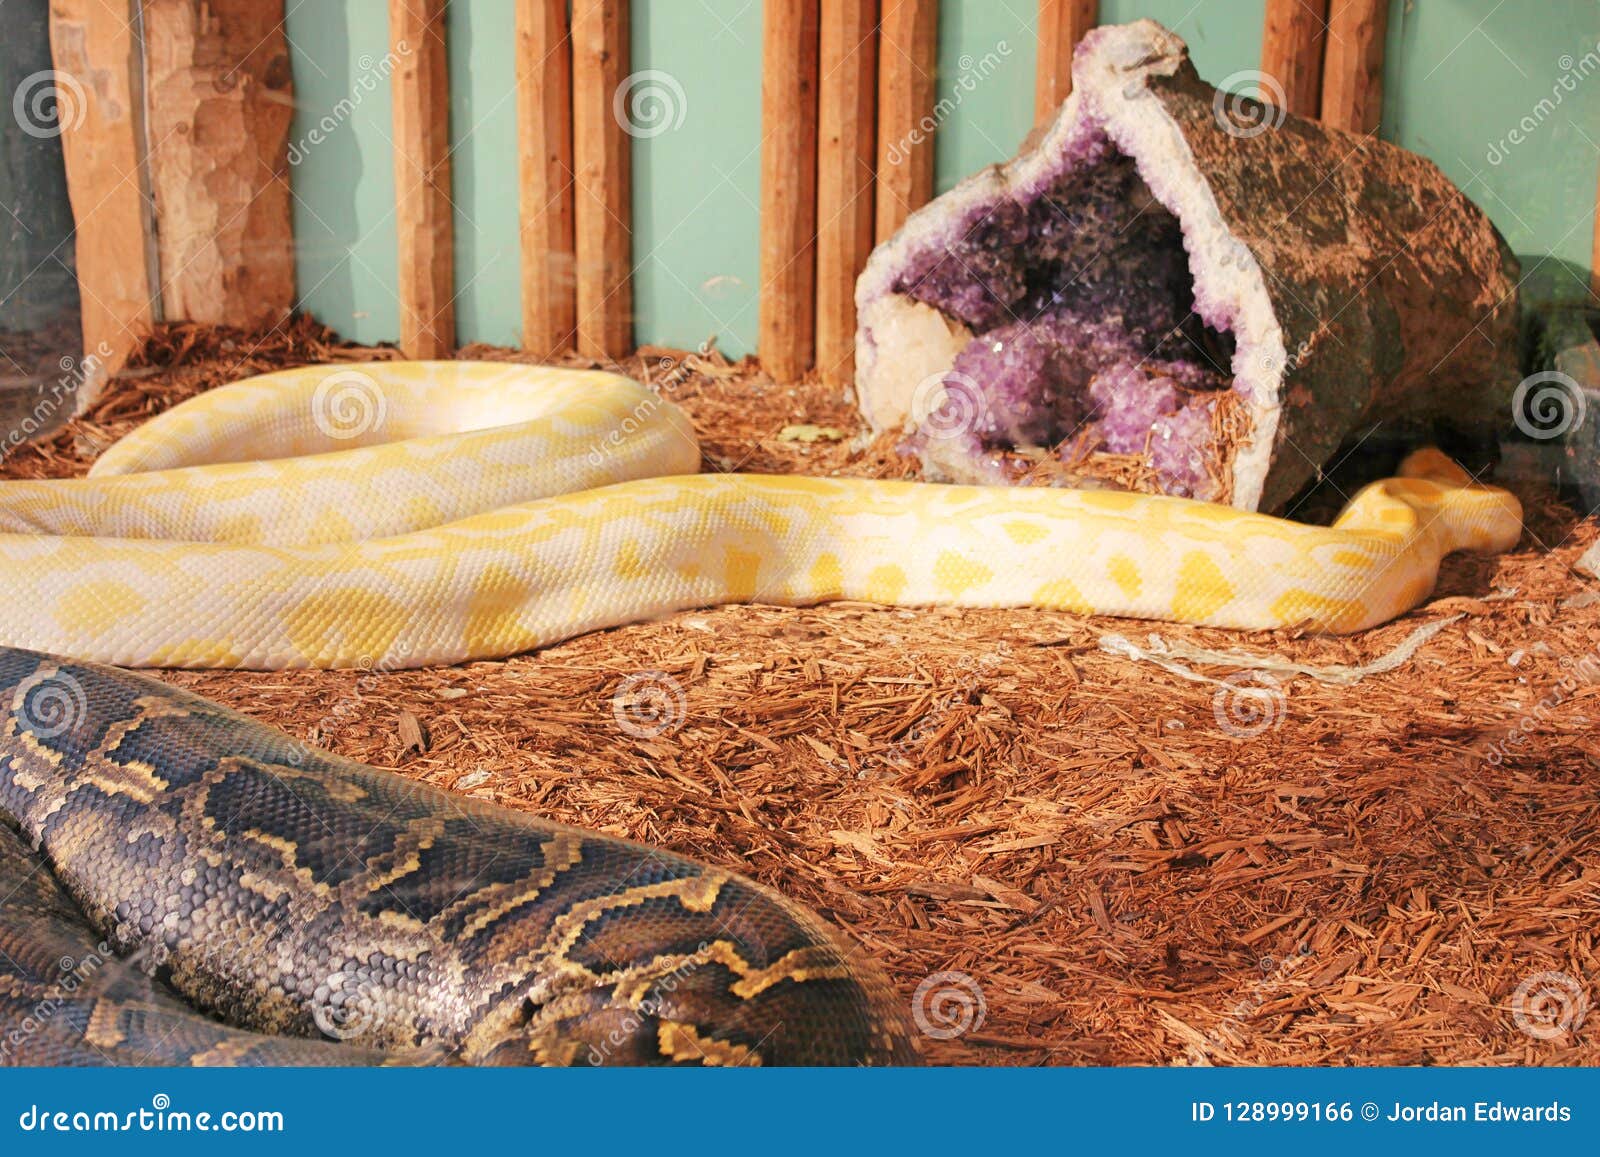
<point>39,324</point>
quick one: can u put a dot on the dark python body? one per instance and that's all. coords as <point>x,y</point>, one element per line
<point>355,916</point>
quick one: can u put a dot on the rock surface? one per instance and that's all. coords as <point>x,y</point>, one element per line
<point>1185,290</point>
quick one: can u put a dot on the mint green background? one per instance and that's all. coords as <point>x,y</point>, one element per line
<point>1458,75</point>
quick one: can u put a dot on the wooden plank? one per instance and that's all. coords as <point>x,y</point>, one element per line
<point>602,197</point>
<point>1594,259</point>
<point>1352,68</point>
<point>1291,53</point>
<point>544,151</point>
<point>789,46</point>
<point>219,107</point>
<point>847,145</point>
<point>100,98</point>
<point>908,45</point>
<point>423,211</point>
<point>1062,24</point>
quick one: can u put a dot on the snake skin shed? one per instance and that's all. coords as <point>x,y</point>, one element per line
<point>285,891</point>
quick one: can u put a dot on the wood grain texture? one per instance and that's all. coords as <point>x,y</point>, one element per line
<point>1291,52</point>
<point>846,147</point>
<point>1594,259</point>
<point>1062,24</point>
<point>219,107</point>
<point>908,45</point>
<point>99,107</point>
<point>544,155</point>
<point>423,211</point>
<point>1352,67</point>
<point>789,46</point>
<point>602,208</point>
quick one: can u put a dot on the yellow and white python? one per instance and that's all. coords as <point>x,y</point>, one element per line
<point>414,513</point>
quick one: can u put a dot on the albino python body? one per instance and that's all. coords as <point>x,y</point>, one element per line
<point>432,512</point>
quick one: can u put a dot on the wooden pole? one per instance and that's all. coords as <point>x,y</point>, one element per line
<point>602,202</point>
<point>1062,24</point>
<point>846,148</point>
<point>1594,257</point>
<point>99,98</point>
<point>422,178</point>
<point>544,152</point>
<point>788,186</point>
<point>908,47</point>
<point>1352,68</point>
<point>1291,52</point>
<point>220,104</point>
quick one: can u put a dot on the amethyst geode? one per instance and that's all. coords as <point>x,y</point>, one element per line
<point>1185,291</point>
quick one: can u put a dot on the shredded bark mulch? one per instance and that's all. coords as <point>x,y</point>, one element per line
<point>1062,855</point>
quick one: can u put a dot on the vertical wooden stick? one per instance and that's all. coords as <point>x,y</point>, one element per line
<point>788,185</point>
<point>1291,52</point>
<point>422,178</point>
<point>99,95</point>
<point>1594,259</point>
<point>220,104</point>
<point>603,196</point>
<point>908,45</point>
<point>1062,24</point>
<point>847,144</point>
<point>544,150</point>
<point>1352,68</point>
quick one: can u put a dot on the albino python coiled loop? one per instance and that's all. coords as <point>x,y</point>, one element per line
<point>432,512</point>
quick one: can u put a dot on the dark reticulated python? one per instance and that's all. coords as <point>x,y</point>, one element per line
<point>222,894</point>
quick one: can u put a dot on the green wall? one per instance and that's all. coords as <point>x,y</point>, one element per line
<point>1460,76</point>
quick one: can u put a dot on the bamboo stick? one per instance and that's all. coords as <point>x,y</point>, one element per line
<point>98,102</point>
<point>1352,68</point>
<point>788,186</point>
<point>846,148</point>
<point>1291,52</point>
<point>907,60</point>
<point>423,209</point>
<point>1062,24</point>
<point>220,103</point>
<point>544,152</point>
<point>602,209</point>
